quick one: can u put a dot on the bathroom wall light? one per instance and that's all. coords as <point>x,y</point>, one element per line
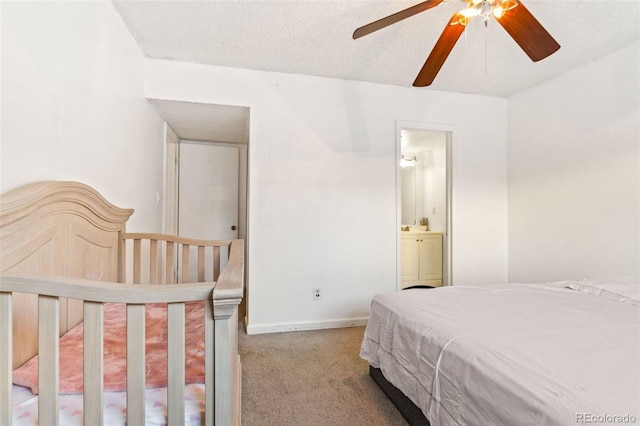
<point>408,162</point>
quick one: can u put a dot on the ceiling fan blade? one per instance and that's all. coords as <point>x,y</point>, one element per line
<point>440,51</point>
<point>396,17</point>
<point>525,29</point>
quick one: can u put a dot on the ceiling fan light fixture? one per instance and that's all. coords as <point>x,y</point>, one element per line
<point>512,16</point>
<point>486,8</point>
<point>470,12</point>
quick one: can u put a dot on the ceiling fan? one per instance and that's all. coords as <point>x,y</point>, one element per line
<point>516,19</point>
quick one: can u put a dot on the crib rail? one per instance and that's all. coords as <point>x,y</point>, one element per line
<point>222,364</point>
<point>164,259</point>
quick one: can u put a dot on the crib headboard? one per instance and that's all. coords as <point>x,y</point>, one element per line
<point>58,228</point>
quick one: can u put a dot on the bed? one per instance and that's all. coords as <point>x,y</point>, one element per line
<point>101,326</point>
<point>518,354</point>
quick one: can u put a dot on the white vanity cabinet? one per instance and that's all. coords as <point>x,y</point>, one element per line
<point>421,258</point>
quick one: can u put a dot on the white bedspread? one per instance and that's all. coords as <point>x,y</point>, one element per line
<point>509,355</point>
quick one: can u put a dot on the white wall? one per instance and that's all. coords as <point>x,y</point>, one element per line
<point>574,175</point>
<point>73,106</point>
<point>322,190</point>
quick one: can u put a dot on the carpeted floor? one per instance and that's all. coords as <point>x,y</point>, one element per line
<point>309,378</point>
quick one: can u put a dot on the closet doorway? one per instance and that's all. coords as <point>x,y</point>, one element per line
<point>424,204</point>
<point>206,125</point>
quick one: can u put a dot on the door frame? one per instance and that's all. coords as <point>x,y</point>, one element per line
<point>170,181</point>
<point>450,131</point>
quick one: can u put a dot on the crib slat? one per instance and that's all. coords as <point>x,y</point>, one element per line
<point>135,364</point>
<point>175,363</point>
<point>200,264</point>
<point>153,261</point>
<point>48,363</point>
<point>169,264</point>
<point>136,261</point>
<point>6,349</point>
<point>185,263</point>
<point>93,365</point>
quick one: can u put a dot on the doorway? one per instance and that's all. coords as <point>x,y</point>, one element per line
<point>200,173</point>
<point>222,125</point>
<point>424,204</point>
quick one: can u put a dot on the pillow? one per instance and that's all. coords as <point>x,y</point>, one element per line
<point>622,289</point>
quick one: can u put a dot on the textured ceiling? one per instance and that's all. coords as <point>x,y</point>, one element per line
<point>315,38</point>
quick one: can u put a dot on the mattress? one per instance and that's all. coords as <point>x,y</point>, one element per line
<point>25,407</point>
<point>516,354</point>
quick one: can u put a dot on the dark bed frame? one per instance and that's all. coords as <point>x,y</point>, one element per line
<point>411,413</point>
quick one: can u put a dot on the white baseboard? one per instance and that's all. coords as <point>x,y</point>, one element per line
<point>310,325</point>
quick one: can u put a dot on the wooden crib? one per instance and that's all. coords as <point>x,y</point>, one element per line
<point>64,253</point>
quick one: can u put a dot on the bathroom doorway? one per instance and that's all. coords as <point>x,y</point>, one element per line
<point>424,207</point>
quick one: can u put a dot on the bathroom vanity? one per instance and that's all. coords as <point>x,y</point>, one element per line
<point>421,258</point>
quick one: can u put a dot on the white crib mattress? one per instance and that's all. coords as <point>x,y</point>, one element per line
<point>508,355</point>
<point>25,407</point>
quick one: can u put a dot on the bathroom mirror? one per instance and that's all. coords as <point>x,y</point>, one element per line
<point>408,181</point>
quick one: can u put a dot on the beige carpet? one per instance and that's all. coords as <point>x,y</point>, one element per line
<point>308,378</point>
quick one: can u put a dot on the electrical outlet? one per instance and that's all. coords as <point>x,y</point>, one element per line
<point>317,293</point>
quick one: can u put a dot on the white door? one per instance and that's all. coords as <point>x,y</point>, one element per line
<point>208,191</point>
